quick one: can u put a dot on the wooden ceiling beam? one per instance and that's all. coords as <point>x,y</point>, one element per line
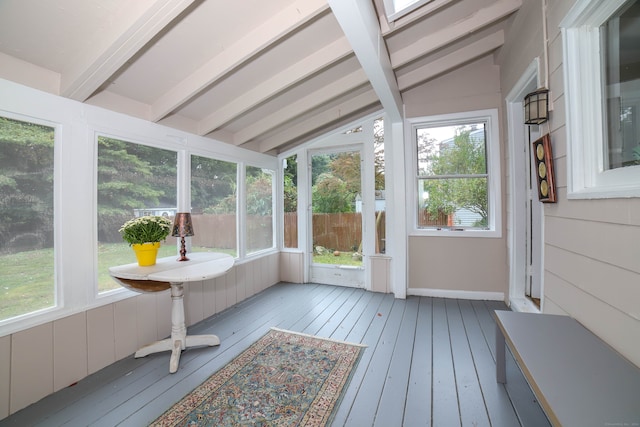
<point>317,121</point>
<point>454,60</point>
<point>449,34</point>
<point>282,81</point>
<point>118,43</point>
<point>274,29</point>
<point>360,24</point>
<point>331,91</point>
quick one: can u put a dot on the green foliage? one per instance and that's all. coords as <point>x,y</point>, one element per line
<point>331,195</point>
<point>211,182</point>
<point>336,189</point>
<point>291,184</point>
<point>146,229</point>
<point>26,185</point>
<point>259,193</point>
<point>131,176</point>
<point>465,157</point>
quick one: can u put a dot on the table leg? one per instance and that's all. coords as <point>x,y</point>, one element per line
<point>501,375</point>
<point>179,339</point>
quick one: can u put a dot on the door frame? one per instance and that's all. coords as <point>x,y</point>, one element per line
<point>518,218</point>
<point>335,274</point>
<point>362,141</point>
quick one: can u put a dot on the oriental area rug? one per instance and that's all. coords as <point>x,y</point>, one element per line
<point>283,379</point>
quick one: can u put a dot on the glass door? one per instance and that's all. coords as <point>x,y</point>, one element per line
<point>336,217</point>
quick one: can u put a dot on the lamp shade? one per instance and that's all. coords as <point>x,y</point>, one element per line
<point>182,225</point>
<point>536,107</point>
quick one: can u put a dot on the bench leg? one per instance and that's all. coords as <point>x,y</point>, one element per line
<point>501,375</point>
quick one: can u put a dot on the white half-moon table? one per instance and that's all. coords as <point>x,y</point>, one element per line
<point>170,273</point>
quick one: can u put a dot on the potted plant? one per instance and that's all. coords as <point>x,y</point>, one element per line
<point>144,235</point>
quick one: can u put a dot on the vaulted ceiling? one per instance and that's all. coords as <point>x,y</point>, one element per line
<point>261,74</point>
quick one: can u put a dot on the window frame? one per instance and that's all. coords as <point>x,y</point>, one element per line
<point>492,145</point>
<point>58,306</point>
<point>120,291</point>
<point>394,14</point>
<point>243,208</point>
<point>585,101</point>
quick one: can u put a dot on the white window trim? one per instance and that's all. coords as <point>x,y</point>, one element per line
<point>75,195</point>
<point>584,101</point>
<point>489,116</point>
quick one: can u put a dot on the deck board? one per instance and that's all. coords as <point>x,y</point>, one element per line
<point>428,361</point>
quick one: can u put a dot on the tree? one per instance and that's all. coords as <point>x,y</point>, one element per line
<point>464,157</point>
<point>291,184</point>
<point>331,195</point>
<point>131,176</point>
<point>26,183</point>
<point>211,182</point>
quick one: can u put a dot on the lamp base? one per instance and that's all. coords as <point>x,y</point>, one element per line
<point>183,251</point>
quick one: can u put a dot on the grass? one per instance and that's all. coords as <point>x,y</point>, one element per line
<point>27,282</point>
<point>28,277</point>
<point>345,258</point>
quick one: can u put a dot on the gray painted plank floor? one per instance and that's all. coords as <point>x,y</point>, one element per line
<point>428,362</point>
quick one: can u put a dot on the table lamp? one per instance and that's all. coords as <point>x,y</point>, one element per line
<point>182,227</point>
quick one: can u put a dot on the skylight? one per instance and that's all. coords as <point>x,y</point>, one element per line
<point>397,8</point>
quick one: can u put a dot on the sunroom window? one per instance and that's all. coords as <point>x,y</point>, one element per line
<point>456,164</point>
<point>26,208</point>
<point>213,205</point>
<point>621,34</point>
<point>133,180</point>
<point>602,92</point>
<point>259,209</point>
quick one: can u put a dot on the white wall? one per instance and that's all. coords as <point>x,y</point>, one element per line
<point>87,332</point>
<point>591,247</point>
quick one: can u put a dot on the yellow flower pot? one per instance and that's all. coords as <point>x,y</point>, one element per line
<point>146,253</point>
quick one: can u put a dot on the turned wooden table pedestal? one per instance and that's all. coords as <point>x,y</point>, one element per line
<point>169,273</point>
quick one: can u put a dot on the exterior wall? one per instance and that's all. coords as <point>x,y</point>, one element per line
<point>41,360</point>
<point>464,265</point>
<point>591,268</point>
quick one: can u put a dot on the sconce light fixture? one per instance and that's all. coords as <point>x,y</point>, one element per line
<point>536,107</point>
<point>182,227</point>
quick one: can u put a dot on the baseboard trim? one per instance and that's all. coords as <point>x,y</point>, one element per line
<point>445,293</point>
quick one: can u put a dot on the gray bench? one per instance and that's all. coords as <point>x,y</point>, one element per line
<point>577,378</point>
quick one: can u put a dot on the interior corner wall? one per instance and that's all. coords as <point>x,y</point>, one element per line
<point>458,264</point>
<point>591,268</point>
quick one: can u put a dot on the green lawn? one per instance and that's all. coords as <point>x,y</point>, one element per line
<point>27,278</point>
<point>345,258</point>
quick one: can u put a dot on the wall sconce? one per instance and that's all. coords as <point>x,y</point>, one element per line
<point>536,107</point>
<point>182,227</point>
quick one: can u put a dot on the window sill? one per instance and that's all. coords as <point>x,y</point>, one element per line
<point>491,234</point>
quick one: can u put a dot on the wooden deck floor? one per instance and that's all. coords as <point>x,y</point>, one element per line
<point>429,361</point>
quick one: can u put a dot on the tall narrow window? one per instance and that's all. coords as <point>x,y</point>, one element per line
<point>290,189</point>
<point>133,180</point>
<point>380,196</point>
<point>26,209</point>
<point>213,205</point>
<point>259,195</point>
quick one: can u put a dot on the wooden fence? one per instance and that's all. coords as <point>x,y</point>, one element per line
<point>219,231</point>
<point>335,231</point>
